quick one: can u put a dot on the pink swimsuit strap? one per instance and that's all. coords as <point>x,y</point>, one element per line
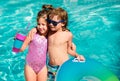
<point>36,57</point>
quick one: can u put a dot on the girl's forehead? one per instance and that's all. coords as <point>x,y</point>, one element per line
<point>41,19</point>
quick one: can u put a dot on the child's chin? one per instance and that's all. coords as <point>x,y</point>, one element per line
<point>52,29</point>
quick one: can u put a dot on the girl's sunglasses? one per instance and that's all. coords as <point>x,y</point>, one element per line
<point>54,22</point>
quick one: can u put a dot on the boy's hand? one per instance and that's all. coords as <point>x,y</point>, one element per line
<point>80,58</point>
<point>32,32</point>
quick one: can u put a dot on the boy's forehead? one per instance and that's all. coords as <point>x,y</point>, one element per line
<point>51,16</point>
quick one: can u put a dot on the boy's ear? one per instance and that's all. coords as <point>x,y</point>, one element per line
<point>63,24</point>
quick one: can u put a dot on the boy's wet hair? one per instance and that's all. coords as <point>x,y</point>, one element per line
<point>46,9</point>
<point>62,15</point>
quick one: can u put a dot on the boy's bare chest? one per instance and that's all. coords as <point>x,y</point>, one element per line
<point>57,39</point>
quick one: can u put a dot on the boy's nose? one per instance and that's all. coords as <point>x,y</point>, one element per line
<point>50,24</point>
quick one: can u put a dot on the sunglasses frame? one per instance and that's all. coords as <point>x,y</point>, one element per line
<point>54,22</point>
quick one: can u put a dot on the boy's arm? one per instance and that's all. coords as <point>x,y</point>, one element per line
<point>72,49</point>
<point>27,40</point>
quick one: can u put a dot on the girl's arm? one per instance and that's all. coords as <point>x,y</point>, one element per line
<point>27,40</point>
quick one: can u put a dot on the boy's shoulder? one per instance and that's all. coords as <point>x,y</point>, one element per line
<point>68,33</point>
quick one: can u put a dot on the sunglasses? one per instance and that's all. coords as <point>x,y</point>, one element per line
<point>54,22</point>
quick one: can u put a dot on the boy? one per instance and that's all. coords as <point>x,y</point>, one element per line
<point>59,41</point>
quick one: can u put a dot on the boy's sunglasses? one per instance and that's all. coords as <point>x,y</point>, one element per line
<point>54,22</point>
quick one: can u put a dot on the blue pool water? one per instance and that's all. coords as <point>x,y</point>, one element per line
<point>94,24</point>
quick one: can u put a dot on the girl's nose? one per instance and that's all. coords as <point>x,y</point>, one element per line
<point>39,26</point>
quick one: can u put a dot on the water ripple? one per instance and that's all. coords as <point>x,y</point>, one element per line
<point>94,24</point>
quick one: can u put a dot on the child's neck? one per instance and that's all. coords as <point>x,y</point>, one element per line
<point>42,35</point>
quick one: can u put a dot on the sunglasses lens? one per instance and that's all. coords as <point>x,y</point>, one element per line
<point>54,23</point>
<point>49,21</point>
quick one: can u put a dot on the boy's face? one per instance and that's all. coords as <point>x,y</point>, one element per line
<point>55,24</point>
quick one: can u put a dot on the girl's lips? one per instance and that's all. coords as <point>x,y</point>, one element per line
<point>40,29</point>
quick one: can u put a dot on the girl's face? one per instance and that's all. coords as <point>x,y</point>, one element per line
<point>42,26</point>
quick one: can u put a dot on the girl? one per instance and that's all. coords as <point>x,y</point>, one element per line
<point>35,68</point>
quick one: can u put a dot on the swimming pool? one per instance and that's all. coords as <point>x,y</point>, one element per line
<point>94,24</point>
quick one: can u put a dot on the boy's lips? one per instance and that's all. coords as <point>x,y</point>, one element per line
<point>52,27</point>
